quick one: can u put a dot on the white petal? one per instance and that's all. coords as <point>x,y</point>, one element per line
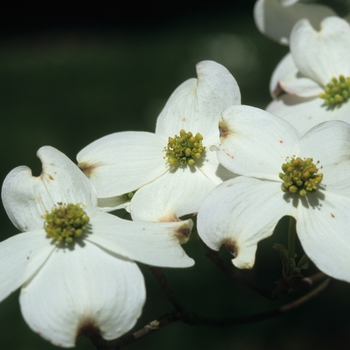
<point>113,203</point>
<point>241,212</point>
<point>196,104</point>
<point>304,113</point>
<point>212,169</point>
<point>151,243</point>
<point>303,87</point>
<point>324,54</point>
<point>286,77</point>
<point>329,143</point>
<point>287,2</point>
<point>173,195</point>
<point>26,197</point>
<point>324,232</point>
<point>276,18</point>
<point>257,143</point>
<point>80,289</point>
<point>286,70</point>
<point>123,162</point>
<point>21,256</point>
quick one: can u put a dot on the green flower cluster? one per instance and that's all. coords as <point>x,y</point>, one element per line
<point>300,176</point>
<point>184,149</point>
<point>337,91</point>
<point>66,222</point>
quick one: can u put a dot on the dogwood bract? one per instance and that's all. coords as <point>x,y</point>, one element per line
<point>75,263</point>
<point>282,174</point>
<point>276,18</point>
<point>315,75</point>
<point>172,170</point>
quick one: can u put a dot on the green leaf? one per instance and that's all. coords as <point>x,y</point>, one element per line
<point>303,263</point>
<point>281,249</point>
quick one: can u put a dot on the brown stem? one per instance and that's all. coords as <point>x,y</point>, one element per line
<point>233,273</point>
<point>168,292</point>
<point>317,290</point>
<point>194,319</point>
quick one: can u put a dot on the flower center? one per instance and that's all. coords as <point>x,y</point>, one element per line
<point>65,222</point>
<point>184,149</point>
<point>337,91</point>
<point>300,176</point>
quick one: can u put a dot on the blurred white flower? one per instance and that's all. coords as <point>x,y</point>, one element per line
<point>276,18</point>
<point>172,170</point>
<point>74,263</point>
<point>314,78</point>
<point>313,186</point>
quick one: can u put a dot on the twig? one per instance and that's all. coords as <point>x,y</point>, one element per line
<point>305,298</point>
<point>168,292</point>
<point>272,294</point>
<point>233,273</point>
<point>194,319</point>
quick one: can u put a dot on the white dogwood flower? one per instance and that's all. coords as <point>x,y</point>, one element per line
<point>276,18</point>
<point>315,76</point>
<point>173,169</point>
<point>282,174</point>
<point>75,264</point>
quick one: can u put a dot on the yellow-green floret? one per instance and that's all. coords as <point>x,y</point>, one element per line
<point>184,149</point>
<point>66,222</point>
<point>337,91</point>
<point>300,176</point>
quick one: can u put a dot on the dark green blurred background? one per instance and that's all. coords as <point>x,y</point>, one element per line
<point>73,72</point>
